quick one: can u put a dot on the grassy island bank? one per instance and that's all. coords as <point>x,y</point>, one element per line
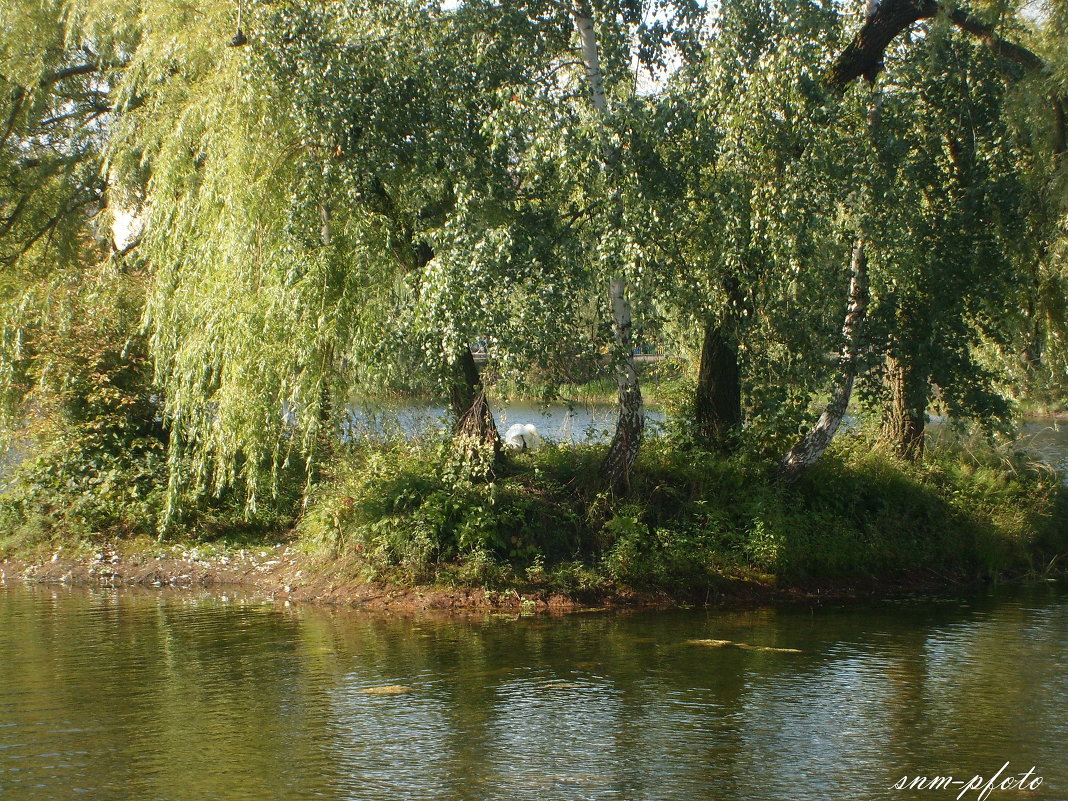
<point>690,522</point>
<point>406,522</point>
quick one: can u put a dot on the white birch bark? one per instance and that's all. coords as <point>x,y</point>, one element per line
<point>630,424</point>
<point>812,446</point>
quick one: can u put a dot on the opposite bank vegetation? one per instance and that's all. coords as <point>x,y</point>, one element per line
<point>220,223</point>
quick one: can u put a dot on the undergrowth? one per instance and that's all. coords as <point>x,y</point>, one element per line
<point>407,513</point>
<point>410,513</point>
<point>78,491</point>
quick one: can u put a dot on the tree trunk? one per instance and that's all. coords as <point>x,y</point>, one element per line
<point>474,427</point>
<point>905,416</point>
<point>630,424</point>
<point>1033,350</point>
<point>1060,129</point>
<point>583,16</point>
<point>812,446</point>
<point>718,404</point>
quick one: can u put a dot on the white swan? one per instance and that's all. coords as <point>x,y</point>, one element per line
<point>522,437</point>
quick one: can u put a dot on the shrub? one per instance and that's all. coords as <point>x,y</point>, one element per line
<point>690,519</point>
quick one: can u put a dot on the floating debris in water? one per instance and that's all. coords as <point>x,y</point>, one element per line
<point>768,648</point>
<point>386,689</point>
<point>743,645</point>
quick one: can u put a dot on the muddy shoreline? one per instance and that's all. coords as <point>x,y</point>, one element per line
<point>285,576</point>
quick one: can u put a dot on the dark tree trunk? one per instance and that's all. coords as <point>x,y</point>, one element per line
<point>327,437</point>
<point>1033,350</point>
<point>474,426</point>
<point>718,404</point>
<point>1060,128</point>
<point>812,446</point>
<point>906,410</point>
<point>326,414</point>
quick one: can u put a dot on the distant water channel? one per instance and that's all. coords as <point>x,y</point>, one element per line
<point>1043,439</point>
<point>1048,441</point>
<point>112,696</point>
<point>556,422</point>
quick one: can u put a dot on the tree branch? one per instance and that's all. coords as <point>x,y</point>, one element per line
<point>48,228</point>
<point>95,110</point>
<point>863,56</point>
<point>68,72</point>
<point>18,97</point>
<point>985,33</point>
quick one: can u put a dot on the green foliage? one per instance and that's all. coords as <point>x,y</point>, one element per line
<point>89,452</point>
<point>418,508</point>
<point>343,205</point>
<point>53,100</point>
<point>947,223</point>
<point>691,522</point>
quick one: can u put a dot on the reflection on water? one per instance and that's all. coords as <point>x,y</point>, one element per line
<point>138,696</point>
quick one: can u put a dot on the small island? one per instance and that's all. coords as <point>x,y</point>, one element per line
<point>310,289</point>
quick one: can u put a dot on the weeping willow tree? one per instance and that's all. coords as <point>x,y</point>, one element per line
<point>52,194</point>
<point>954,209</point>
<point>946,229</point>
<point>477,251</point>
<point>1031,346</point>
<point>214,208</point>
<point>584,143</point>
<point>80,413</point>
<point>328,210</point>
<point>758,180</point>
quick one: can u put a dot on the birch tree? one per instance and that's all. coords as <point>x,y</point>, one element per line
<point>640,36</point>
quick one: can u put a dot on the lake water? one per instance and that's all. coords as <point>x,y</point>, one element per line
<point>142,696</point>
<point>1048,441</point>
<point>1044,439</point>
<point>557,422</point>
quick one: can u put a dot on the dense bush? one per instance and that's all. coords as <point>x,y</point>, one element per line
<point>691,518</point>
